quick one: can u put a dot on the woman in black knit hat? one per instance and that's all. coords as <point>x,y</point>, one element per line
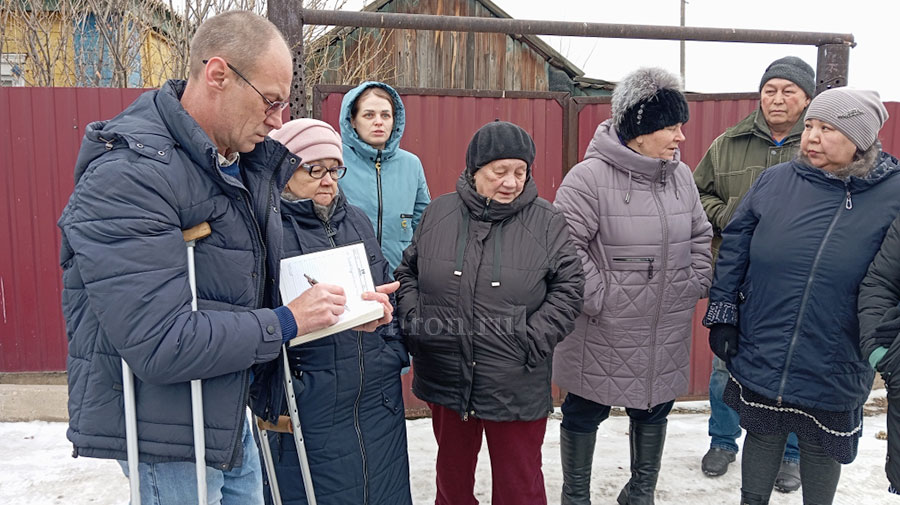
<point>636,220</point>
<point>488,287</point>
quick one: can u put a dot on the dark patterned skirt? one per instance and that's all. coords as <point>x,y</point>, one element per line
<point>836,432</point>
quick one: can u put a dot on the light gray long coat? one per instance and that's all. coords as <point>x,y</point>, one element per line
<point>644,240</point>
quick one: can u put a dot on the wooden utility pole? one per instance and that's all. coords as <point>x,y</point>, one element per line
<point>683,81</point>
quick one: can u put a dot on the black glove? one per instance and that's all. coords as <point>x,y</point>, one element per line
<point>888,328</point>
<point>723,340</point>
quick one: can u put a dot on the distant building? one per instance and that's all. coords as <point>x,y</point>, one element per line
<point>445,59</point>
<point>58,43</point>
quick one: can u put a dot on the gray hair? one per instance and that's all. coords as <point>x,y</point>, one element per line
<point>238,36</point>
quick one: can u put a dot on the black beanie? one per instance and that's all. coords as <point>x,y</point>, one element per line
<point>499,140</point>
<point>647,100</point>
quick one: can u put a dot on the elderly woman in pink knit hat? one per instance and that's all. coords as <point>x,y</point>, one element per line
<point>347,385</point>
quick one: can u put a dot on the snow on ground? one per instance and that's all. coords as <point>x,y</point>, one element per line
<point>36,467</point>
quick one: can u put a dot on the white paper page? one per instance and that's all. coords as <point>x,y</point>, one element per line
<point>345,266</point>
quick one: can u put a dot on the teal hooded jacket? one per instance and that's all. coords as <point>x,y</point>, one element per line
<point>388,185</point>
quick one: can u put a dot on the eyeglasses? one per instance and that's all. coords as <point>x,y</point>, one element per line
<point>276,106</point>
<point>318,171</point>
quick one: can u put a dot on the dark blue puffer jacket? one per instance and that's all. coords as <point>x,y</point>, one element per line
<point>140,179</point>
<point>347,386</point>
<point>788,273</point>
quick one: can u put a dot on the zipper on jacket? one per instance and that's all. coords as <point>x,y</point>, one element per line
<point>805,299</point>
<point>329,232</point>
<point>380,202</point>
<point>261,273</point>
<point>359,436</point>
<point>649,262</point>
<point>262,237</point>
<point>662,289</point>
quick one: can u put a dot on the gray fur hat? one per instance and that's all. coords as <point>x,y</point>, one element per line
<point>647,100</point>
<point>857,113</point>
<point>793,69</point>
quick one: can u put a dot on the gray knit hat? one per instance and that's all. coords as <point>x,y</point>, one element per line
<point>857,113</point>
<point>793,69</point>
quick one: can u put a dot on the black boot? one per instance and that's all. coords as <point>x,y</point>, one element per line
<point>577,453</point>
<point>646,441</point>
<point>753,499</point>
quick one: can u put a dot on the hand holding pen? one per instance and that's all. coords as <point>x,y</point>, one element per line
<point>312,282</point>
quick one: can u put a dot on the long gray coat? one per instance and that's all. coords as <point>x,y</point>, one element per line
<point>644,240</point>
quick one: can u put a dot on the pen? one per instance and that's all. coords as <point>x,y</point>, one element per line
<point>313,282</point>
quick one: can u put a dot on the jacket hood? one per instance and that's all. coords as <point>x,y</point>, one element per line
<point>885,166</point>
<point>304,211</point>
<point>155,123</point>
<point>483,209</point>
<point>607,147</point>
<point>351,138</point>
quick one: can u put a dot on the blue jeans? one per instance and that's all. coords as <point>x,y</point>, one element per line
<point>724,423</point>
<point>176,483</point>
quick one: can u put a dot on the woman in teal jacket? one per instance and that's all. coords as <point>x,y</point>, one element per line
<point>386,182</point>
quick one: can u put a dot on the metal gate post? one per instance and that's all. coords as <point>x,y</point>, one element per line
<point>287,15</point>
<point>832,66</point>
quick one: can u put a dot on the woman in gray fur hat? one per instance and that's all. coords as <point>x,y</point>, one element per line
<point>635,217</point>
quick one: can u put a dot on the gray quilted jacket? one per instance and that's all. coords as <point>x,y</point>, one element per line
<point>644,240</point>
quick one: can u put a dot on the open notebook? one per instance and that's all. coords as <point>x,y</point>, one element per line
<point>345,266</point>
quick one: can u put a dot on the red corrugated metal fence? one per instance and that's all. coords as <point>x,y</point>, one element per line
<point>41,130</point>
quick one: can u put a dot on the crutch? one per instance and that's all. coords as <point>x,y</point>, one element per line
<point>191,236</point>
<point>263,428</point>
<point>293,427</point>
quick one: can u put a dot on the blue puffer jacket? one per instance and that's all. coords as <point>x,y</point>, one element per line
<point>140,179</point>
<point>347,387</point>
<point>388,185</point>
<point>788,274</point>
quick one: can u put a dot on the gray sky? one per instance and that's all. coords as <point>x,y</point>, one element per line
<point>724,67</point>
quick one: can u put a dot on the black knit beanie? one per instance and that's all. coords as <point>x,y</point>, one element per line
<point>499,140</point>
<point>647,100</point>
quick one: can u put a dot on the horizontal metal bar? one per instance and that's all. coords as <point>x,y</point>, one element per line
<point>567,28</point>
<point>476,93</point>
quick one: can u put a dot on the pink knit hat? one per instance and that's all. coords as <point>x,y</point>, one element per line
<point>310,139</point>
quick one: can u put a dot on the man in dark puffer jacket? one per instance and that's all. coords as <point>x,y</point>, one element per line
<point>187,153</point>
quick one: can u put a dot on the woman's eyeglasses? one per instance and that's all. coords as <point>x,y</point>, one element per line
<point>319,171</point>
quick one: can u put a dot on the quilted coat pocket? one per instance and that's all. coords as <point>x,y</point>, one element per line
<point>501,337</point>
<point>638,263</point>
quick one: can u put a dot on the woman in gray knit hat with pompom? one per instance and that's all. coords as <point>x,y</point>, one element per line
<point>636,220</point>
<point>783,305</point>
